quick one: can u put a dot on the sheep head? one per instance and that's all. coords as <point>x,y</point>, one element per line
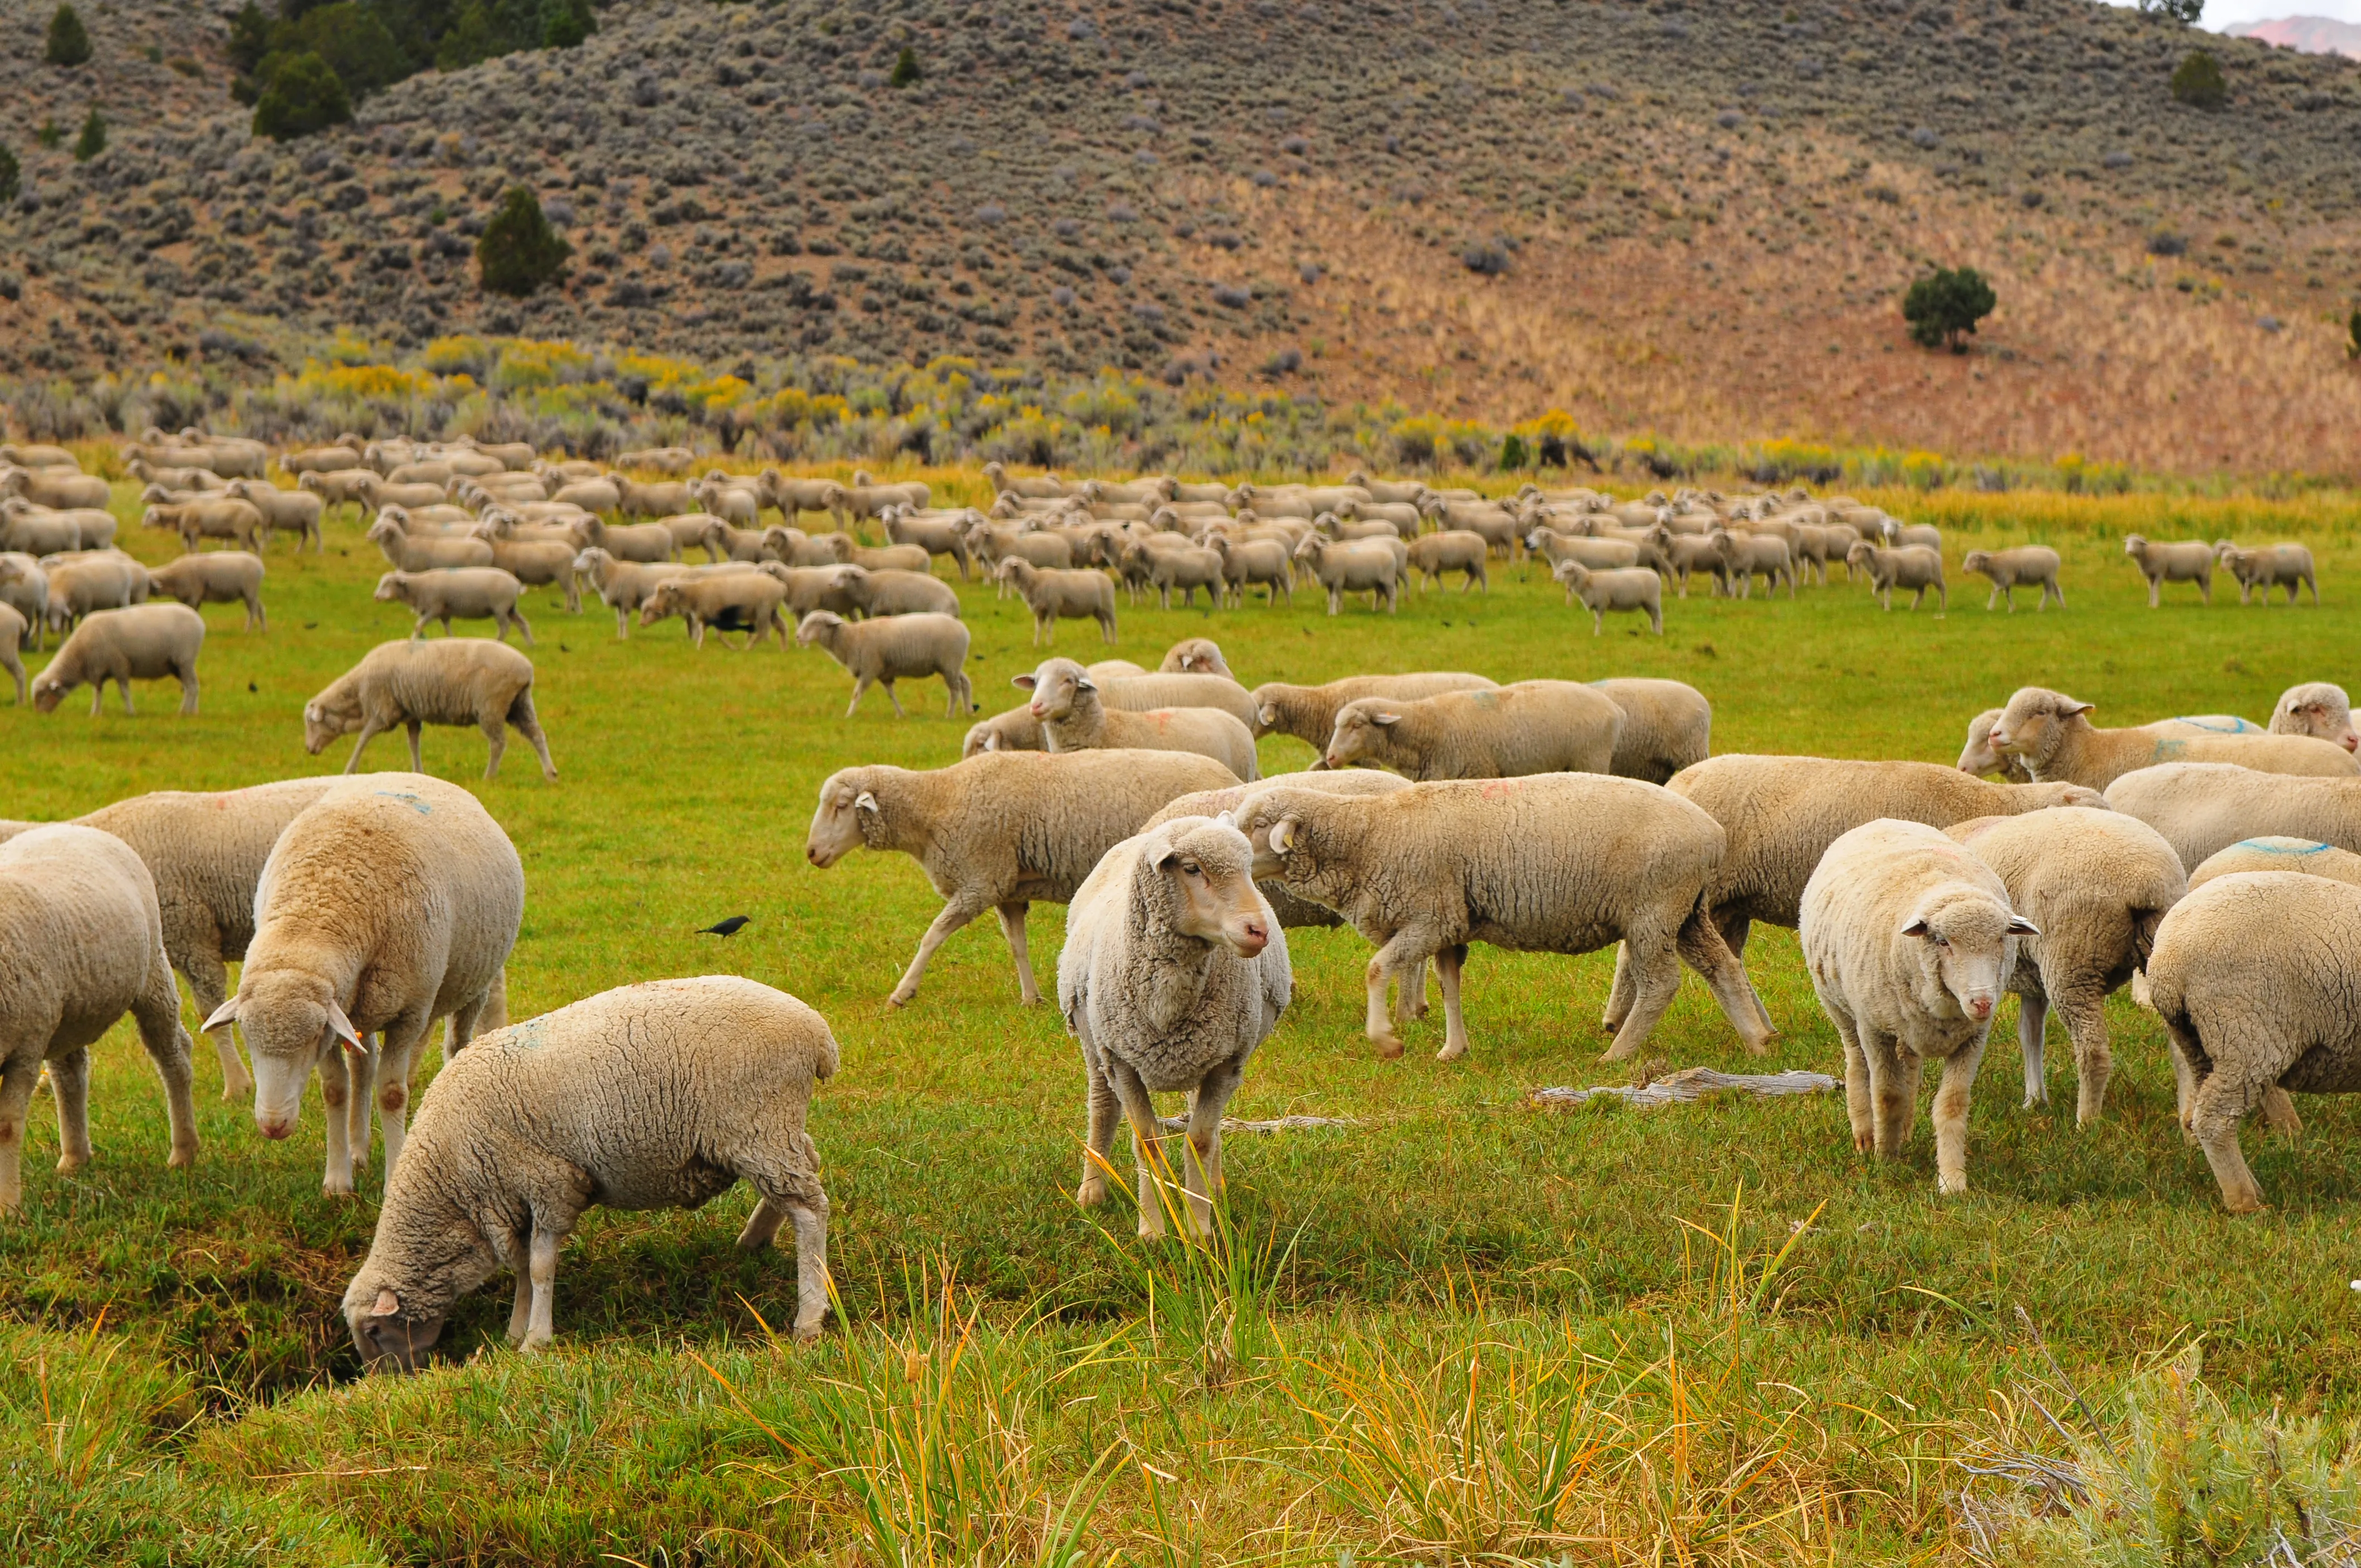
<point>848,812</point>
<point>1058,687</point>
<point>1360,731</point>
<point>1962,939</point>
<point>1207,869</point>
<point>2036,723</point>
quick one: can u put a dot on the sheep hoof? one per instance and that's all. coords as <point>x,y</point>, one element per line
<point>1452,1052</point>
<point>1090,1194</point>
<point>897,999</point>
<point>1389,1046</point>
<point>69,1164</point>
<point>1865,1143</point>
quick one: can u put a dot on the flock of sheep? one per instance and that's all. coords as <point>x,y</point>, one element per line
<point>2206,861</point>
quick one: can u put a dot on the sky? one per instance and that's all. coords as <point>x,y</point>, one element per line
<point>2220,14</point>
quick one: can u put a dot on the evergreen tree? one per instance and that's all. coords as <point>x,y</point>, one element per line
<point>93,141</point>
<point>303,95</point>
<point>2199,81</point>
<point>68,40</point>
<point>905,68</point>
<point>1944,307</point>
<point>518,252</point>
<point>12,179</point>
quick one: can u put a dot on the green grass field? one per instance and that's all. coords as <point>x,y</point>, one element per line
<point>1458,1329</point>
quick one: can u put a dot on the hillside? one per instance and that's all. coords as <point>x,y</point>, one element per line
<point>1694,220</point>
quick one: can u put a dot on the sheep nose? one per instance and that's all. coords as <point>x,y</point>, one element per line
<point>1035,709</point>
<point>1330,758</point>
<point>1980,1006</point>
<point>274,1128</point>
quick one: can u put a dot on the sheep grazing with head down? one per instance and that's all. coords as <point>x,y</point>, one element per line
<point>2051,733</point>
<point>143,642</point>
<point>1910,941</point>
<point>1532,726</point>
<point>459,680</point>
<point>2317,708</point>
<point>1174,971</point>
<point>661,1095</point>
<point>1067,705</point>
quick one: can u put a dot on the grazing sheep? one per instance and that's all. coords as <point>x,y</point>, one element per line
<point>1196,656</point>
<point>1912,566</point>
<point>1174,971</point>
<point>387,904</point>
<point>2254,978</point>
<point>460,680</point>
<point>1245,562</point>
<point>1018,730</point>
<point>283,511</point>
<point>2027,566</point>
<point>2202,808</point>
<point>2189,561</point>
<point>901,647</point>
<point>727,601</point>
<point>665,497</point>
<point>2272,566</point>
<point>406,551</point>
<point>866,497</point>
<point>1067,705</point>
<point>1667,725</point>
<point>1560,862</point>
<point>78,586</point>
<point>1294,913</point>
<point>54,486</point>
<point>1002,830</point>
<point>1309,713</point>
<point>12,640</point>
<point>1746,556</point>
<point>1782,813</point>
<point>2318,709</point>
<point>375,494</point>
<point>1454,550</point>
<point>2052,734</point>
<point>42,531</point>
<point>1631,587</point>
<point>1910,941</point>
<point>1532,726</point>
<point>468,593</point>
<point>225,518</point>
<point>2096,883</point>
<point>319,460</point>
<point>1054,595</point>
<point>1371,567</point>
<point>226,577</point>
<point>541,562</point>
<point>78,921</point>
<point>898,592</point>
<point>643,542</point>
<point>2277,853</point>
<point>660,1095</point>
<point>25,589</point>
<point>143,642</point>
<point>623,586</point>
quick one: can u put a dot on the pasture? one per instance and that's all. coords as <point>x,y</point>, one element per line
<point>1452,1328</point>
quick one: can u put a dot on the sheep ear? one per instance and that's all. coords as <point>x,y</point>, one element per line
<point>342,1028</point>
<point>225,1013</point>
<point>866,801</point>
<point>1282,835</point>
<point>1915,926</point>
<point>2019,925</point>
<point>2072,708</point>
<point>1086,685</point>
<point>1023,682</point>
<point>386,1305</point>
<point>1385,719</point>
<point>1227,818</point>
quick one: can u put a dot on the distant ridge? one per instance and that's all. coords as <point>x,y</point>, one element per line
<point>2312,35</point>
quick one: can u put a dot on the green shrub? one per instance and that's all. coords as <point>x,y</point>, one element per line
<point>565,23</point>
<point>2352,334</point>
<point>518,251</point>
<point>249,38</point>
<point>905,68</point>
<point>2198,83</point>
<point>11,180</point>
<point>2185,12</point>
<point>303,95</point>
<point>92,139</point>
<point>51,135</point>
<point>1513,455</point>
<point>68,39</point>
<point>1944,307</point>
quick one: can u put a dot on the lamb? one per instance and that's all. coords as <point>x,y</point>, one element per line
<point>728,601</point>
<point>2189,561</point>
<point>460,680</point>
<point>1197,656</point>
<point>1309,713</point>
<point>1245,562</point>
<point>2052,734</point>
<point>2272,566</point>
<point>1073,717</point>
<point>80,586</point>
<point>541,562</point>
<point>1453,550</point>
<point>1631,587</point>
<point>227,577</point>
<point>899,593</point>
<point>1001,831</point>
<point>2252,977</point>
<point>387,904</point>
<point>651,1096</point>
<point>1913,566</point>
<point>1667,726</point>
<point>1910,941</point>
<point>643,542</point>
<point>623,586</point>
<point>901,647</point>
<point>1054,595</point>
<point>2317,708</point>
<point>1371,567</point>
<point>78,919</point>
<point>1782,813</point>
<point>283,511</point>
<point>1294,913</point>
<point>2025,567</point>
<point>1174,971</point>
<point>1561,864</point>
<point>1018,730</point>
<point>2097,883</point>
<point>1746,556</point>
<point>144,643</point>
<point>408,553</point>
<point>1532,726</point>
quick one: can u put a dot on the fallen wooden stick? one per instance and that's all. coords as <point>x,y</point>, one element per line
<point>1692,1083</point>
<point>1284,1124</point>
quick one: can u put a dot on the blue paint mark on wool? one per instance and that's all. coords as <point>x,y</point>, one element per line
<point>415,803</point>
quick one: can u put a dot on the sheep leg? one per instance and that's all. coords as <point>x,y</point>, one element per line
<point>1893,1092</point>
<point>953,916</point>
<point>1859,1080</point>
<point>362,1066</point>
<point>1447,965</point>
<point>495,728</point>
<point>1951,1117</point>
<point>459,1029</point>
<point>2032,1022</point>
<point>2155,591</point>
<point>2279,1113</point>
<point>517,615</point>
<point>528,724</point>
<point>1656,976</point>
<point>541,1262</point>
<point>157,1016</point>
<point>123,684</point>
<point>860,689</point>
<point>1403,956</point>
<point>622,623</point>
<point>1201,1179</point>
<point>1618,995</point>
<point>69,1087</point>
<point>2094,1064</point>
<point>18,1074</point>
<point>1107,629</point>
<point>336,1098</point>
<point>369,728</point>
<point>811,1263</point>
<point>896,701</point>
<point>1733,928</point>
<point>1011,927</point>
<point>209,984</point>
<point>254,616</point>
<point>1147,1143</point>
<point>514,1249</point>
<point>412,727</point>
<point>402,1038</point>
<point>1104,1109</point>
<point>2220,1105</point>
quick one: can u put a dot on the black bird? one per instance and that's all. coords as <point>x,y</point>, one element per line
<point>726,928</point>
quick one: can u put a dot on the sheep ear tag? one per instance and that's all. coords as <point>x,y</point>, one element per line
<point>226,1014</point>
<point>387,1304</point>
<point>342,1028</point>
<point>1282,835</point>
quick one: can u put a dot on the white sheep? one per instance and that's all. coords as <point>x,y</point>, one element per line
<point>460,680</point>
<point>2051,733</point>
<point>1911,566</point>
<point>2317,708</point>
<point>2027,566</point>
<point>78,922</point>
<point>1309,713</point>
<point>1052,595</point>
<point>2202,808</point>
<point>1629,588</point>
<point>900,647</point>
<point>1531,726</point>
<point>2277,853</point>
<point>226,576</point>
<point>1174,971</point>
<point>1067,705</point>
<point>730,601</point>
<point>1293,913</point>
<point>1195,657</point>
<point>12,641</point>
<point>660,1095</point>
<point>387,904</point>
<point>1372,566</point>
<point>623,586</point>
<point>1133,691</point>
<point>80,584</point>
<point>896,592</point>
<point>2271,567</point>
<point>1453,550</point>
<point>1667,726</point>
<point>143,642</point>
<point>2188,561</point>
<point>406,552</point>
<point>470,593</point>
<point>283,511</point>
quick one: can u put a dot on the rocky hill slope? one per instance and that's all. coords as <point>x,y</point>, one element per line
<point>1688,217</point>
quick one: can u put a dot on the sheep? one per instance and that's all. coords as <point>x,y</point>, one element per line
<point>1245,562</point>
<point>1309,713</point>
<point>793,547</point>
<point>1453,550</point>
<point>470,593</point>
<point>1368,566</point>
<point>793,498</point>
<point>942,534</point>
<point>53,486</point>
<point>866,497</point>
<point>420,472</point>
<point>912,558</point>
<point>665,497</point>
<point>25,588</point>
<point>723,543</point>
<point>1390,490</point>
<point>40,530</point>
<point>2318,709</point>
<point>226,518</point>
<point>1532,726</point>
<point>1073,717</point>
<point>375,494</point>
<point>339,488</point>
<point>2277,853</point>
<point>691,530</point>
<point>2189,561</point>
<point>728,601</point>
<point>460,680</point>
<point>1667,725</point>
<point>407,553</point>
<point>1980,757</point>
<point>318,460</point>
<point>2201,808</point>
<point>2025,567</point>
<point>1686,554</point>
<point>12,640</point>
<point>814,588</point>
<point>1558,862</point>
<point>1174,971</point>
<point>660,459</point>
<point>227,577</point>
<point>2097,883</point>
<point>145,643</point>
<point>34,455</point>
<point>650,1096</point>
<point>2252,978</point>
<point>1293,913</point>
<point>1913,566</point>
<point>79,585</point>
<point>1910,941</point>
<point>541,562</point>
<point>1782,813</point>
<point>1598,555</point>
<point>2052,734</point>
<point>78,918</point>
<point>1197,656</point>
<point>1053,594</point>
<point>2272,566</point>
<point>1924,534</point>
<point>1746,556</point>
<point>387,904</point>
<point>283,511</point>
<point>1153,488</point>
<point>898,592</point>
<point>642,541</point>
<point>623,586</point>
<point>901,647</point>
<point>719,497</point>
<point>1018,730</point>
<point>1124,669</point>
<point>1403,517</point>
<point>1631,587</point>
<point>1001,831</point>
<point>1047,485</point>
